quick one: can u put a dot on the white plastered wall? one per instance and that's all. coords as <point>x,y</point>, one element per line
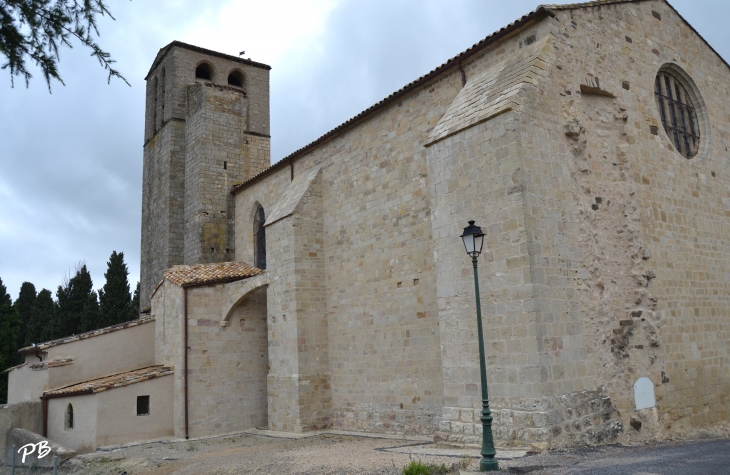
<point>82,437</point>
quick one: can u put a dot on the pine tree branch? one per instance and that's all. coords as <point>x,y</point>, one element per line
<point>38,29</point>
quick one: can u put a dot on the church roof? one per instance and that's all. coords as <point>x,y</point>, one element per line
<point>539,13</point>
<point>105,383</point>
<point>164,50</point>
<point>454,62</point>
<point>85,335</point>
<point>210,273</point>
<point>595,3</point>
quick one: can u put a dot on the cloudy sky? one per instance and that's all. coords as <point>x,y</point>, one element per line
<point>71,161</point>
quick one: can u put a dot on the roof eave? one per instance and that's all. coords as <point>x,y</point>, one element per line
<point>166,49</point>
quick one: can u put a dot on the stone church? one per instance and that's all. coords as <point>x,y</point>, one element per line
<point>331,289</point>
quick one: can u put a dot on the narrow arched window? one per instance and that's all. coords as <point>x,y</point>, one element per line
<point>259,238</point>
<point>69,424</point>
<point>204,71</point>
<point>162,97</point>
<point>235,79</point>
<point>154,105</point>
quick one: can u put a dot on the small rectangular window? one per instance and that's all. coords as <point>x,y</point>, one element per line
<point>143,405</point>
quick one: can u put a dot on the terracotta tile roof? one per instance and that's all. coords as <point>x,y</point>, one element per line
<point>110,382</point>
<point>211,273</point>
<point>83,336</point>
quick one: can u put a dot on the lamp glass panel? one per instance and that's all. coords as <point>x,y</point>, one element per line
<point>478,243</point>
<point>468,242</point>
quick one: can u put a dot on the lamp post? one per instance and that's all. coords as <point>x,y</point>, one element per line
<point>473,238</point>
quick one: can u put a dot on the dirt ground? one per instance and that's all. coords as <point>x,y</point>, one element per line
<point>254,454</point>
<point>329,454</point>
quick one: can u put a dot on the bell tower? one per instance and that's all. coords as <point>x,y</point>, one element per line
<point>206,129</point>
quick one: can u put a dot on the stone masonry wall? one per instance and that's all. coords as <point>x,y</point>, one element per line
<point>605,249</point>
<point>162,206</point>
<point>480,173</point>
<point>653,223</point>
<point>214,161</point>
<point>299,381</point>
<point>579,418</point>
<point>168,307</point>
<point>227,365</point>
<point>607,203</point>
<point>383,333</point>
<point>282,380</point>
<point>235,131</point>
<point>643,226</point>
<point>311,310</point>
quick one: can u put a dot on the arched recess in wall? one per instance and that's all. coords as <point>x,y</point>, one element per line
<point>237,78</point>
<point>259,237</point>
<point>204,71</point>
<point>69,422</point>
<point>237,292</point>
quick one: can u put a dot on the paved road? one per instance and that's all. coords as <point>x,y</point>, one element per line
<point>689,458</point>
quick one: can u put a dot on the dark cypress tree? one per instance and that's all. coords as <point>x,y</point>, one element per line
<point>9,325</point>
<point>134,311</point>
<point>71,298</point>
<point>90,319</point>
<point>42,321</point>
<point>24,307</point>
<point>53,330</point>
<point>114,299</point>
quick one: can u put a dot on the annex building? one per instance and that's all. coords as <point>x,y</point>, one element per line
<point>331,289</point>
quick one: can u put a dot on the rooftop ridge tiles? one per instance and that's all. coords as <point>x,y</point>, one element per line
<point>85,335</point>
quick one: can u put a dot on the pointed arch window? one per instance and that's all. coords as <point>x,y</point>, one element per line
<point>259,238</point>
<point>69,423</point>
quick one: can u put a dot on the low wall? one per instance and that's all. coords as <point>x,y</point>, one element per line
<point>39,451</point>
<point>24,415</point>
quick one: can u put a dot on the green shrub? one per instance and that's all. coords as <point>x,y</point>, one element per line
<point>419,468</point>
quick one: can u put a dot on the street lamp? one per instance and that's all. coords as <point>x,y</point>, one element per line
<point>473,238</point>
